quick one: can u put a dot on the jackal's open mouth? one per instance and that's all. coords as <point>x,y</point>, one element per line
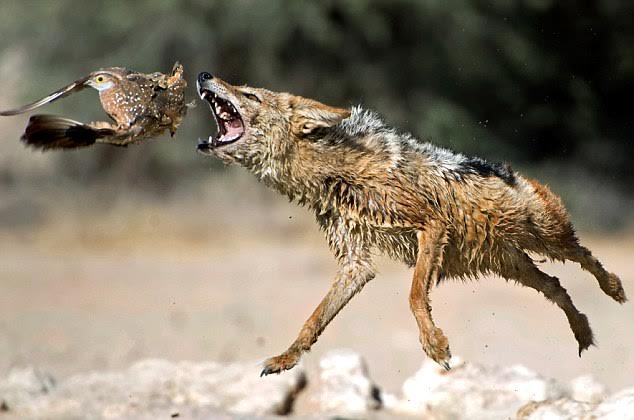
<point>228,120</point>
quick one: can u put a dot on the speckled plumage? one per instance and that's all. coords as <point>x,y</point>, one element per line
<point>374,190</point>
<point>141,106</point>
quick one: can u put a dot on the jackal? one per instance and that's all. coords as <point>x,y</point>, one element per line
<point>375,189</point>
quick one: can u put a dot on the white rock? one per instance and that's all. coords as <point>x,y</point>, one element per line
<point>30,380</point>
<point>153,389</point>
<point>563,408</point>
<point>344,385</point>
<point>474,392</point>
<point>22,385</point>
<point>619,406</point>
<point>587,389</point>
<point>157,388</point>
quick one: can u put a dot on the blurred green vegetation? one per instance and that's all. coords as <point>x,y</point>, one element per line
<point>546,85</point>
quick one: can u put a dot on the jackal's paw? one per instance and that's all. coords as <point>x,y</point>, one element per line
<point>616,291</point>
<point>436,345</point>
<point>277,364</point>
<point>583,333</point>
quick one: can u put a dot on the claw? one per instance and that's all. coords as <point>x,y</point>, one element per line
<point>445,364</point>
<point>267,371</point>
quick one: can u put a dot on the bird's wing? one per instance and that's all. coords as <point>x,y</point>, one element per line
<point>51,132</point>
<point>60,93</point>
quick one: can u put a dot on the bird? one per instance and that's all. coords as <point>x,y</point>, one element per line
<point>140,105</point>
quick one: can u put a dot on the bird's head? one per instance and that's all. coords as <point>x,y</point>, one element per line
<point>103,80</point>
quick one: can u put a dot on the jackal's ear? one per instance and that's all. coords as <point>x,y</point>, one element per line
<point>310,117</point>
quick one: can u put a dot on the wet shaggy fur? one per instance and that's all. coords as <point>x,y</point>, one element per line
<point>374,190</point>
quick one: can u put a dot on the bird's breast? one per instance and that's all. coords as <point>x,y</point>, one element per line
<point>124,106</point>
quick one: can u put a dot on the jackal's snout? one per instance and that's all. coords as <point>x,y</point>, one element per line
<point>202,77</point>
<point>224,107</point>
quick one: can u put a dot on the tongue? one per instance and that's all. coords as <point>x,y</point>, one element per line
<point>233,128</point>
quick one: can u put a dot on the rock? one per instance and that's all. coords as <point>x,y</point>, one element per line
<point>153,389</point>
<point>343,387</point>
<point>587,389</point>
<point>474,392</point>
<point>30,380</point>
<point>22,385</point>
<point>563,408</point>
<point>618,406</point>
<point>157,388</point>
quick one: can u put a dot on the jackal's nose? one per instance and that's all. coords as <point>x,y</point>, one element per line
<point>204,76</point>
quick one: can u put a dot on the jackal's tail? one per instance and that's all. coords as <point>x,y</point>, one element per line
<point>46,132</point>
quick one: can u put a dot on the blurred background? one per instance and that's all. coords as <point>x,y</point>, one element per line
<point>109,255</point>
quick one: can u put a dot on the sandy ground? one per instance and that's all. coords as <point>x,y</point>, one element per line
<point>102,301</point>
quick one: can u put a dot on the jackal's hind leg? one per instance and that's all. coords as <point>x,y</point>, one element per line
<point>608,282</point>
<point>431,243</point>
<point>523,270</point>
<point>349,281</point>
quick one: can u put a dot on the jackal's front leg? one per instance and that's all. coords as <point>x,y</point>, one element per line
<point>351,277</point>
<point>431,243</point>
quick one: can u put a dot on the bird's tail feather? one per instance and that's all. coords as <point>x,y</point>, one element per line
<point>50,132</point>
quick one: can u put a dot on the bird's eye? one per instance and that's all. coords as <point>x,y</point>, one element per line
<point>251,96</point>
<point>100,79</point>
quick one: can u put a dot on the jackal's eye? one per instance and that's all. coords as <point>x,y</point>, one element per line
<point>251,96</point>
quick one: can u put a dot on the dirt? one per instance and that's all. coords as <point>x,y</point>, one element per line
<point>104,295</point>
